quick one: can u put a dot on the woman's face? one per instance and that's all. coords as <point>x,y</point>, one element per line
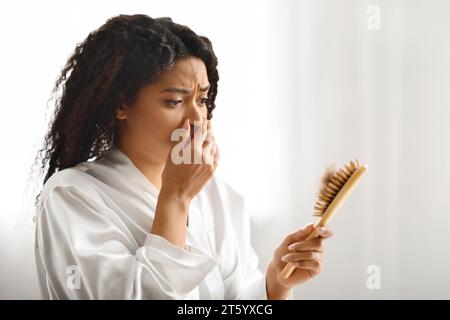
<point>180,93</point>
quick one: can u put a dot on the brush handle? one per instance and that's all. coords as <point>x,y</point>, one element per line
<point>332,208</point>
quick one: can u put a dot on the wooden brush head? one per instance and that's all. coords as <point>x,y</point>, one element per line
<point>332,182</point>
<point>336,187</point>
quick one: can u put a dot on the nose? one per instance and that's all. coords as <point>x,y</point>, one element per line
<point>195,115</point>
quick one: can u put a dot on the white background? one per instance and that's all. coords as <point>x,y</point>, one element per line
<point>303,84</point>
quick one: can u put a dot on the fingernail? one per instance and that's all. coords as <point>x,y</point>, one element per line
<point>322,231</point>
<point>291,247</point>
<point>284,258</point>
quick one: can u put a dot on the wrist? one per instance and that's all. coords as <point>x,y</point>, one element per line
<point>274,287</point>
<point>173,197</point>
<point>170,219</point>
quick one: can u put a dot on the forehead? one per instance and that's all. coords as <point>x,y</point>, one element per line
<point>188,72</point>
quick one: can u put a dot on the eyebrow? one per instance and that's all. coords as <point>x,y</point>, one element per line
<point>183,90</point>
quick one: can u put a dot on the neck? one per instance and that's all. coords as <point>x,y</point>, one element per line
<point>149,163</point>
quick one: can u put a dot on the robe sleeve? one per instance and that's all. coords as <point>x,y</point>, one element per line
<point>243,279</point>
<point>87,253</point>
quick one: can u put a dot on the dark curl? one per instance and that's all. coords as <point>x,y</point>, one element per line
<point>106,70</point>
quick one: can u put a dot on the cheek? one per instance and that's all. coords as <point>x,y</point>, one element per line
<point>159,124</point>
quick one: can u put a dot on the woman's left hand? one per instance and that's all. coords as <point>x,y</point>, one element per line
<point>305,255</point>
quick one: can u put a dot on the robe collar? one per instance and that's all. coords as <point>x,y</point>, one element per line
<point>122,163</point>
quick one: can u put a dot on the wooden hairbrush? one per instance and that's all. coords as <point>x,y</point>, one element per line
<point>336,187</point>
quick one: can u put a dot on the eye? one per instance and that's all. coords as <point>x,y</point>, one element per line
<point>173,103</point>
<point>204,101</point>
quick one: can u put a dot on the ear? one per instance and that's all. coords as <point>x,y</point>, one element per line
<point>121,113</point>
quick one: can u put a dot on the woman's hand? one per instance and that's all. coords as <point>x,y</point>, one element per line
<point>181,182</point>
<point>185,180</point>
<point>305,255</point>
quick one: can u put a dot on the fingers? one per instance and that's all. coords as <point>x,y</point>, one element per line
<point>313,265</point>
<point>305,260</point>
<point>303,253</point>
<point>210,148</point>
<point>186,133</point>
<point>321,232</point>
<point>301,256</point>
<point>300,234</point>
<point>204,149</point>
<point>205,125</point>
<point>197,130</point>
<point>310,245</point>
<point>201,134</point>
<point>196,140</point>
<point>315,233</point>
<point>326,233</point>
<point>209,137</point>
<point>186,137</point>
<point>216,156</point>
<point>209,153</point>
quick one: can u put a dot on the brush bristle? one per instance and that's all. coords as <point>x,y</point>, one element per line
<point>332,183</point>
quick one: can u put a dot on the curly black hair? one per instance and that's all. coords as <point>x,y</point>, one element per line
<point>106,70</point>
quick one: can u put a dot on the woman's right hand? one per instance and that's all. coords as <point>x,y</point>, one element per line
<point>184,181</point>
<point>181,182</point>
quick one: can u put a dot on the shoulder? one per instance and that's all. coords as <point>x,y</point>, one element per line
<point>73,180</point>
<point>72,200</point>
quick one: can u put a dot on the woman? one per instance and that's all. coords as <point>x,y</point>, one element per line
<point>130,207</point>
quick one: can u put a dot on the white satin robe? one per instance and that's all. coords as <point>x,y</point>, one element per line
<point>93,239</point>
